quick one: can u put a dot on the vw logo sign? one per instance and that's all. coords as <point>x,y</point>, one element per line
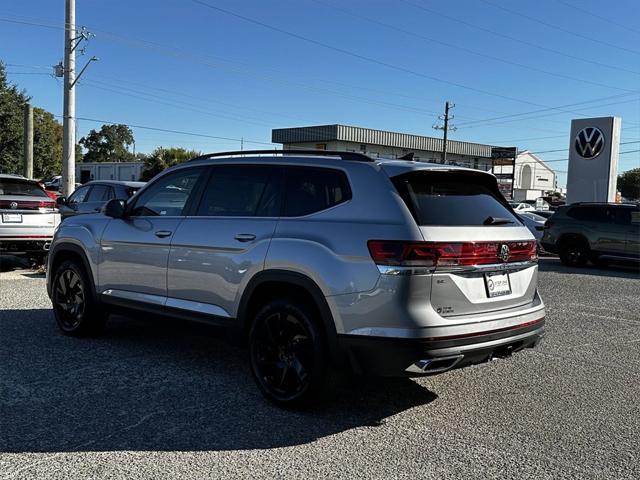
<point>504,253</point>
<point>13,205</point>
<point>589,142</point>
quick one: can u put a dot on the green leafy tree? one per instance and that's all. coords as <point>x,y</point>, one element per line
<point>629,184</point>
<point>109,144</point>
<point>47,144</point>
<point>12,102</point>
<point>162,158</point>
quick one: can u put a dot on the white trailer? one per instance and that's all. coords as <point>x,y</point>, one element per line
<point>126,171</point>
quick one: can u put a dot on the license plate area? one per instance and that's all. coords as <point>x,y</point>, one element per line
<point>11,218</point>
<point>497,284</point>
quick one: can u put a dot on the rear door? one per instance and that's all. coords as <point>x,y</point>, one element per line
<point>225,240</point>
<point>492,255</point>
<point>135,249</point>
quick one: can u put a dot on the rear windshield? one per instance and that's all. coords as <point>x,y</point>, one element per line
<point>445,198</point>
<point>20,188</point>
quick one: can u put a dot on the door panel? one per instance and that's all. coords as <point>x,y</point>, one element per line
<point>133,257</point>
<point>135,249</point>
<point>216,251</point>
<point>207,264</point>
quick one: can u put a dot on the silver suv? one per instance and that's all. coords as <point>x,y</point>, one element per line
<point>324,260</point>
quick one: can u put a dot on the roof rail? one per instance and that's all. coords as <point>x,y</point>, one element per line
<point>352,156</point>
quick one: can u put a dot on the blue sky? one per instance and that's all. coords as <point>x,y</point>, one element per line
<point>388,64</point>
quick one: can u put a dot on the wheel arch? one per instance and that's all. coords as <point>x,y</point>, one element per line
<point>277,283</point>
<point>69,251</point>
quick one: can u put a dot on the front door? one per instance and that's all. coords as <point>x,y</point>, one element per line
<point>226,241</point>
<point>135,249</point>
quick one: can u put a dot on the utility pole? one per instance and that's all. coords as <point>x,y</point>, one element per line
<point>69,110</point>
<point>445,128</point>
<point>28,141</point>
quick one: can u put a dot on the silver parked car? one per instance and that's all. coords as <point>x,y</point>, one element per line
<point>28,217</point>
<point>323,260</point>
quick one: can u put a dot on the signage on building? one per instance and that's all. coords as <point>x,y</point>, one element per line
<point>593,159</point>
<point>504,159</point>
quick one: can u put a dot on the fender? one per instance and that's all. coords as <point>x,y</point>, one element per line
<point>299,280</point>
<point>76,249</point>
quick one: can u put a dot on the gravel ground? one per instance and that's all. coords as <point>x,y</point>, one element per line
<point>160,399</point>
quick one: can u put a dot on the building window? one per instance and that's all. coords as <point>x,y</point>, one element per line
<point>363,148</point>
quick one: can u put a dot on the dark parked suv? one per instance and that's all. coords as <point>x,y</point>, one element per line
<point>594,231</point>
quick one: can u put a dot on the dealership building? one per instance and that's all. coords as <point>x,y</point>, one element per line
<point>526,175</point>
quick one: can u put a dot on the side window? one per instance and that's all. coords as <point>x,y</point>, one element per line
<point>79,195</point>
<point>168,195</point>
<point>109,194</point>
<point>311,189</point>
<point>97,193</point>
<point>621,216</point>
<point>589,214</point>
<point>635,217</point>
<point>242,191</point>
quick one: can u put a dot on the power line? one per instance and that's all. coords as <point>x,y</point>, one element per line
<point>518,40</point>
<point>360,56</point>
<point>560,29</point>
<point>582,10</point>
<point>464,49</point>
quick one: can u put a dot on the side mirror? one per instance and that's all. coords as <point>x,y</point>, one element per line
<point>115,208</point>
<point>61,201</point>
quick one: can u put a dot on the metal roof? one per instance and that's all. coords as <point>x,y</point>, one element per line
<point>345,133</point>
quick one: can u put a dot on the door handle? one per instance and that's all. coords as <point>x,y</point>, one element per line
<point>163,233</point>
<point>245,237</point>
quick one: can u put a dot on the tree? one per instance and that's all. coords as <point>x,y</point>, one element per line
<point>110,144</point>
<point>12,102</point>
<point>629,184</point>
<point>47,144</point>
<point>162,158</point>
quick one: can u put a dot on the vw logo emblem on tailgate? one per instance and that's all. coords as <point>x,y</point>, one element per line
<point>589,142</point>
<point>504,253</point>
<point>13,205</point>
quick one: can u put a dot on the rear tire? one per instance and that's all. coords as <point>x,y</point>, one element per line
<point>74,305</point>
<point>288,354</point>
<point>574,252</point>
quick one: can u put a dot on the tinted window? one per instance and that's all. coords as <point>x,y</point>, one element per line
<point>589,213</point>
<point>168,195</point>
<point>9,186</point>
<point>242,191</point>
<point>439,198</point>
<point>98,193</point>
<point>79,195</point>
<point>310,190</point>
<point>621,216</point>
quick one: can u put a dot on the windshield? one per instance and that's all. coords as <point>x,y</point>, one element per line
<point>445,198</point>
<point>23,188</point>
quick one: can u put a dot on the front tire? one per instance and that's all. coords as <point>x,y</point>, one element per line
<point>74,305</point>
<point>288,354</point>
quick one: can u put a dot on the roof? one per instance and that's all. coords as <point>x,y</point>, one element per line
<point>535,157</point>
<point>14,176</point>
<point>337,132</point>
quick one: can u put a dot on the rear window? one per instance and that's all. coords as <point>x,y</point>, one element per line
<point>17,187</point>
<point>444,198</point>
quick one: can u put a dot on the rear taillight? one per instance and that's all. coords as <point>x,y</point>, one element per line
<point>27,204</point>
<point>432,254</point>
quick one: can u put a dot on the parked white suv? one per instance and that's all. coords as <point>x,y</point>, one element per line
<point>28,217</point>
<point>322,259</point>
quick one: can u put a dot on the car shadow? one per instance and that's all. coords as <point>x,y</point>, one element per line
<point>160,385</point>
<point>621,270</point>
<point>9,263</point>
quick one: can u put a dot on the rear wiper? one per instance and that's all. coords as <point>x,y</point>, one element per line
<point>496,221</point>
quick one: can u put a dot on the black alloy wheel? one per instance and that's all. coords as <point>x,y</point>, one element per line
<point>74,306</point>
<point>574,253</point>
<point>287,354</point>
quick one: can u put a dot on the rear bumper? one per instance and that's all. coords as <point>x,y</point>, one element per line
<point>26,245</point>
<point>386,356</point>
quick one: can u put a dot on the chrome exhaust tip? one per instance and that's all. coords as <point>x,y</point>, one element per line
<point>46,246</point>
<point>434,365</point>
